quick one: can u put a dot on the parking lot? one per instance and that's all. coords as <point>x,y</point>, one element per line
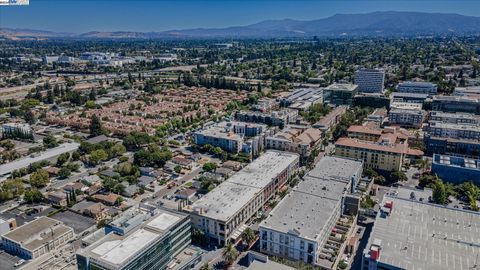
<point>78,222</point>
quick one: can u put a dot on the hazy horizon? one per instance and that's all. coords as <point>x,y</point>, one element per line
<point>153,16</point>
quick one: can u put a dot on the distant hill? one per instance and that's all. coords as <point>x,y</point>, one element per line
<point>389,23</point>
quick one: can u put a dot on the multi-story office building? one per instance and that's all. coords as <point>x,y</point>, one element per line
<point>301,141</point>
<point>456,104</point>
<point>151,244</point>
<point>277,118</point>
<point>374,100</point>
<point>36,238</point>
<point>471,91</point>
<point>222,213</point>
<point>303,98</point>
<point>456,169</point>
<point>234,137</point>
<point>408,97</point>
<point>407,118</point>
<point>327,122</point>
<point>370,80</point>
<point>64,59</point>
<point>417,87</point>
<point>410,233</point>
<point>340,93</point>
<point>301,223</point>
<point>454,118</point>
<point>454,131</point>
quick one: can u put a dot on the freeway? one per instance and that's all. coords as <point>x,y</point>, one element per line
<point>7,168</point>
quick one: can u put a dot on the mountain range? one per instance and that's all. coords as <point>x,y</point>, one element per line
<point>380,24</point>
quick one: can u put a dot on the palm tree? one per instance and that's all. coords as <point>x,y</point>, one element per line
<point>249,236</point>
<point>230,253</point>
<point>423,164</point>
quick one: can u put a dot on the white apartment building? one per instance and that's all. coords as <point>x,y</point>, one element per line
<point>299,226</point>
<point>222,213</point>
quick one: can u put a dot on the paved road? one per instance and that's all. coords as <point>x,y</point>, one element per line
<point>49,154</point>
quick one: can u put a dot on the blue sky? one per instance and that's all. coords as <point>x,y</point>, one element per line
<point>150,15</point>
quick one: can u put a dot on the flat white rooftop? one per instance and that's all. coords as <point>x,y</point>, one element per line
<point>233,194</point>
<point>163,221</point>
<point>117,252</point>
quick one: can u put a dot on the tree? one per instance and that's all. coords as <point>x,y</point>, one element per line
<point>230,253</point>
<point>63,158</point>
<point>64,173</point>
<point>8,145</point>
<point>50,97</point>
<point>49,141</point>
<point>76,155</point>
<point>423,164</point>
<point>439,193</point>
<point>471,192</point>
<point>30,117</point>
<point>90,104</point>
<point>118,149</point>
<point>249,235</point>
<point>74,196</point>
<point>11,188</point>
<point>209,166</point>
<point>178,169</point>
<point>397,176</point>
<point>325,142</point>
<point>135,140</point>
<point>206,267</point>
<point>101,223</point>
<point>95,126</point>
<point>96,156</point>
<point>119,200</point>
<point>33,196</point>
<point>427,180</point>
<point>39,178</point>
